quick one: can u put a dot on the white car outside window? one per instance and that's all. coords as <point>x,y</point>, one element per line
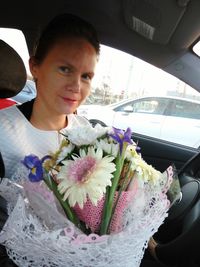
<point>152,116</point>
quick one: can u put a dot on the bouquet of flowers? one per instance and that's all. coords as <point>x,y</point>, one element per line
<point>94,202</point>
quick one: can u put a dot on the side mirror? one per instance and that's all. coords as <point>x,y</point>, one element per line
<point>128,109</point>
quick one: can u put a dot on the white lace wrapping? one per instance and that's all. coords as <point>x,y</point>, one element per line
<point>40,236</point>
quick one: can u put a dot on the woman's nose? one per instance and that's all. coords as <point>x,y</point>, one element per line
<point>75,84</point>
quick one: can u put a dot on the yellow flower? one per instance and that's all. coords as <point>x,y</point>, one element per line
<point>145,171</point>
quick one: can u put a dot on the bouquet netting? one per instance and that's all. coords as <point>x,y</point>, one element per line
<point>39,235</point>
<point>93,203</point>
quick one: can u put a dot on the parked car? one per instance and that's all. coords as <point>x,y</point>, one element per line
<point>153,116</point>
<point>27,93</point>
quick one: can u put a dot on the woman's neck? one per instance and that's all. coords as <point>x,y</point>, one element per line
<point>42,119</point>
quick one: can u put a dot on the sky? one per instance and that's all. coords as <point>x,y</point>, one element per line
<point>127,73</point>
<point>119,70</point>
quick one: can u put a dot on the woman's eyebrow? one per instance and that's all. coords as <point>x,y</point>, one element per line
<point>64,62</point>
<point>72,67</point>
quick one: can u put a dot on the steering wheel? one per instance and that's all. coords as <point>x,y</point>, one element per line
<point>179,236</point>
<point>94,122</point>
<point>190,169</point>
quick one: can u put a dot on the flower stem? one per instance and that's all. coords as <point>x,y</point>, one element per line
<point>110,193</point>
<point>105,218</point>
<point>119,193</point>
<point>65,205</point>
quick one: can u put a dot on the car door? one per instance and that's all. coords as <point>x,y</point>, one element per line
<point>144,116</point>
<point>182,125</point>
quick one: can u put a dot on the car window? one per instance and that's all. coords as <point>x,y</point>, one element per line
<point>15,38</point>
<point>185,110</point>
<point>151,106</point>
<point>146,106</point>
<point>131,91</point>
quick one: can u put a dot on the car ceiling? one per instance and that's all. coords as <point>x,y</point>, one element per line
<point>159,32</point>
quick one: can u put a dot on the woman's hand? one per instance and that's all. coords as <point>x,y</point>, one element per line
<point>151,246</point>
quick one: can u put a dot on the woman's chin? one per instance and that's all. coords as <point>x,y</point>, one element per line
<point>68,108</point>
<point>68,111</point>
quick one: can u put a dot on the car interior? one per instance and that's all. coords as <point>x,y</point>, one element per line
<point>161,33</point>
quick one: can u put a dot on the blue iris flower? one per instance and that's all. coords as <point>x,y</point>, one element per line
<point>34,165</point>
<point>122,137</point>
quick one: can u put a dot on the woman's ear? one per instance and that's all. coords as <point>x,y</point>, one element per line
<point>33,67</point>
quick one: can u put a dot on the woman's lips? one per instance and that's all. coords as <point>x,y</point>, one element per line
<point>66,99</point>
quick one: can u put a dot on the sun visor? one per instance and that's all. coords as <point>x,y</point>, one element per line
<point>150,19</point>
<point>12,71</point>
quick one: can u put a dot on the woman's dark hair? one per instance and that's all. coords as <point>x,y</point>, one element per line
<point>62,26</point>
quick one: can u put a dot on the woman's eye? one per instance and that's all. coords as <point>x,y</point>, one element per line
<point>64,69</point>
<point>86,77</point>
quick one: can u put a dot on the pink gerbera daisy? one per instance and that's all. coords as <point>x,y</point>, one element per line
<point>85,177</point>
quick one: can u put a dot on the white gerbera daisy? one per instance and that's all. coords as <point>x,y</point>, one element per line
<point>86,176</point>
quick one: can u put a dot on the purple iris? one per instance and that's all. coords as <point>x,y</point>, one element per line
<point>138,149</point>
<point>34,165</point>
<point>122,137</point>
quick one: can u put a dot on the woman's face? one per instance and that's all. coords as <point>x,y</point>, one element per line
<point>64,76</point>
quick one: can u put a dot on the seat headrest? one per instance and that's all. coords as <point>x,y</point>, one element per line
<point>12,71</point>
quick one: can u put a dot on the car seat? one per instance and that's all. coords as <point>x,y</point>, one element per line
<point>12,77</point>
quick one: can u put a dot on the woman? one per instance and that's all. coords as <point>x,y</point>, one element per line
<point>63,66</point>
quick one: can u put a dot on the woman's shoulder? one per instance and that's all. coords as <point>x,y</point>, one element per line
<point>8,125</point>
<point>19,110</point>
<point>10,117</point>
<point>8,112</point>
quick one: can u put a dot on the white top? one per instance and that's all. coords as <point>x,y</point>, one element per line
<point>19,138</point>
